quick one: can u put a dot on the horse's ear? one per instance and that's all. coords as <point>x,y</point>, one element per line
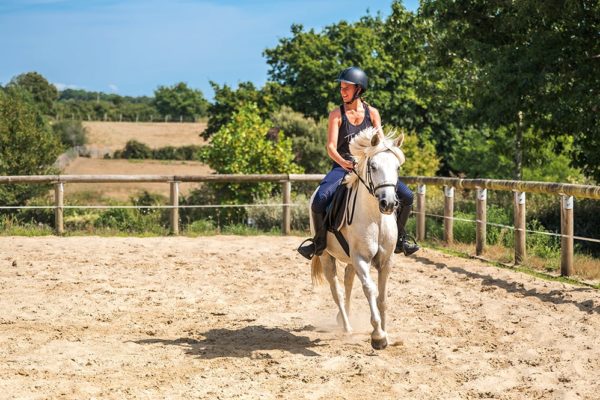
<point>375,140</point>
<point>399,140</point>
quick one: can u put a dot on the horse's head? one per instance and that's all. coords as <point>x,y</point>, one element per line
<point>378,160</point>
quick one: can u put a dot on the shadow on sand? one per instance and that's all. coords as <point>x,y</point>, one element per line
<point>241,342</point>
<point>554,296</point>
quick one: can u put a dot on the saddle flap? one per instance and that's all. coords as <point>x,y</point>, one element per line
<point>334,217</point>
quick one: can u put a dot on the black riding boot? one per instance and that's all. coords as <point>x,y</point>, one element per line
<point>317,244</point>
<point>403,245</point>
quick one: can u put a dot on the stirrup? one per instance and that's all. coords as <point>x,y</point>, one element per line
<point>403,245</point>
<point>307,251</point>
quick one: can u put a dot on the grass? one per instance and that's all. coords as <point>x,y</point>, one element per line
<point>587,268</point>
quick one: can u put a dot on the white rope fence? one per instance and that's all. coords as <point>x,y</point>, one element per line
<point>206,206</point>
<point>512,228</point>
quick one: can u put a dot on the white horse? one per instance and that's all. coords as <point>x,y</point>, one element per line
<point>372,233</point>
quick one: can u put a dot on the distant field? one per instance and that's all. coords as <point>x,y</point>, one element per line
<point>111,136</point>
<point>122,191</point>
<point>114,135</point>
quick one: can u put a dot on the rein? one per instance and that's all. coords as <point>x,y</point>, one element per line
<point>368,185</point>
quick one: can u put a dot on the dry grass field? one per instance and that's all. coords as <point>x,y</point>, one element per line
<point>114,135</point>
<point>122,191</point>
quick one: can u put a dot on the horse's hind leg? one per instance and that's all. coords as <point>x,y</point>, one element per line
<point>348,282</point>
<point>336,289</point>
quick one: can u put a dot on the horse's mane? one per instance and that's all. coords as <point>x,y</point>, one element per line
<point>361,150</point>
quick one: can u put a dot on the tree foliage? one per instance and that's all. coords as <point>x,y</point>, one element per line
<point>404,84</point>
<point>248,145</point>
<point>421,156</point>
<point>27,144</point>
<point>309,139</point>
<point>180,100</point>
<point>536,65</point>
<point>43,93</point>
<point>228,100</point>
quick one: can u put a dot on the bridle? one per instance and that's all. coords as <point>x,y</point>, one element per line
<point>371,188</point>
<point>369,184</point>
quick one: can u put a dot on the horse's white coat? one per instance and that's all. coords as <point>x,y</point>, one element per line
<point>371,236</point>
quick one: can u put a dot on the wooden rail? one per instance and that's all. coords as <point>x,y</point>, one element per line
<point>566,192</point>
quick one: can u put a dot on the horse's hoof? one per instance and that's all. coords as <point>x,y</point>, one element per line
<point>379,344</point>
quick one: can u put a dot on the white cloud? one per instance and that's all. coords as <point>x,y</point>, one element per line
<point>113,87</point>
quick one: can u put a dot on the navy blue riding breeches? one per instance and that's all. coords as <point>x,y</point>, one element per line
<point>332,180</point>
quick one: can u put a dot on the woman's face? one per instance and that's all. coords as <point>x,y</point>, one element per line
<point>347,91</point>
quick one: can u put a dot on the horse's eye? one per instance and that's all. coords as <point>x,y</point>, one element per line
<point>374,167</point>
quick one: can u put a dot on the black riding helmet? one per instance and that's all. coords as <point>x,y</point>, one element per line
<point>357,77</point>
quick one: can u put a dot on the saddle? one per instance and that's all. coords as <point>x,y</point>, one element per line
<point>335,215</point>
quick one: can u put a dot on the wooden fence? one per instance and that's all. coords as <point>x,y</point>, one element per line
<point>520,188</point>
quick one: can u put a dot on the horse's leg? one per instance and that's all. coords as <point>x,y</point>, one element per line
<point>348,282</point>
<point>384,274</point>
<point>336,289</point>
<point>378,336</point>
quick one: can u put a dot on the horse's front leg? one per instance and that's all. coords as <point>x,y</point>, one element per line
<point>336,289</point>
<point>382,279</point>
<point>378,336</point>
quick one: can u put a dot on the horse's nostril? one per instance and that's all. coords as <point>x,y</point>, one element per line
<point>383,203</point>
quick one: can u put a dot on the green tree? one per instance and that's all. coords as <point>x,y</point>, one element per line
<point>180,100</point>
<point>535,66</point>
<point>27,145</point>
<point>421,156</point>
<point>244,146</point>
<point>405,84</point>
<point>309,139</point>
<point>544,159</point>
<point>42,92</point>
<point>228,100</point>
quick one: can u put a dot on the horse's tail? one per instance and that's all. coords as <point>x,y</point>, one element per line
<point>316,271</point>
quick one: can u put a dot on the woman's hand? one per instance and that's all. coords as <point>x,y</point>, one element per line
<point>347,165</point>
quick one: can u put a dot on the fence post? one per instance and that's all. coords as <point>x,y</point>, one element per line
<point>480,232</point>
<point>421,189</point>
<point>59,191</point>
<point>448,214</point>
<point>174,197</point>
<point>287,211</point>
<point>566,239</point>
<point>519,220</point>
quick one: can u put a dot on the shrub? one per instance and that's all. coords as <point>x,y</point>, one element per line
<point>137,150</point>
<point>270,217</point>
<point>70,133</point>
<point>202,227</point>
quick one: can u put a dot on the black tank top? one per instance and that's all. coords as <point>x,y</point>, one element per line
<point>347,131</point>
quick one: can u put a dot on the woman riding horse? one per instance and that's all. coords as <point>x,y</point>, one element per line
<point>344,123</point>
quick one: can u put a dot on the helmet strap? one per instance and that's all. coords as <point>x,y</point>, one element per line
<point>356,95</point>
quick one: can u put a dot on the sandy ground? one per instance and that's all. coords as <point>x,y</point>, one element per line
<point>230,317</point>
<point>122,191</point>
<point>114,135</point>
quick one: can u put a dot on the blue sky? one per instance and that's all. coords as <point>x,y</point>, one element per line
<point>130,47</point>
